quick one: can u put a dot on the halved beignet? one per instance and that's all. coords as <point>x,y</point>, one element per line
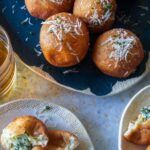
<point>140,134</point>
<point>139,131</point>
<point>24,133</point>
<point>60,140</point>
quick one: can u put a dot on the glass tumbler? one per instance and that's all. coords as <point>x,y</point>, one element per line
<point>7,63</point>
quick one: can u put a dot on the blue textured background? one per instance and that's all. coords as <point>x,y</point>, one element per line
<point>87,75</point>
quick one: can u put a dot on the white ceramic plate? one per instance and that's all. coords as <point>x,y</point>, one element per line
<point>55,118</point>
<point>141,99</point>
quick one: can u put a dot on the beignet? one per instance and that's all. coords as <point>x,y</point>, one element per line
<point>98,14</point>
<point>24,133</point>
<point>45,8</point>
<point>118,53</point>
<point>64,40</point>
<point>60,140</point>
<point>138,131</point>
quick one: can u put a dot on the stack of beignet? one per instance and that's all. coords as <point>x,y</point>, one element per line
<point>29,133</point>
<point>64,37</point>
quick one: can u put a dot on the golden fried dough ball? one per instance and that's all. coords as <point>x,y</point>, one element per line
<point>45,8</point>
<point>98,14</point>
<point>60,140</point>
<point>64,40</point>
<point>118,53</point>
<point>24,133</point>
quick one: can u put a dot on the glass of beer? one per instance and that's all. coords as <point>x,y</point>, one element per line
<point>7,63</point>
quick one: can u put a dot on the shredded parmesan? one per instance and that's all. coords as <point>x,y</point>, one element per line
<point>42,66</point>
<point>96,19</point>
<point>38,45</point>
<point>61,26</point>
<point>39,53</point>
<point>23,7</point>
<point>70,71</point>
<point>122,43</point>
<point>13,9</point>
<point>24,21</point>
<point>27,20</point>
<point>123,18</point>
<point>144,7</point>
<point>26,39</point>
<point>3,9</point>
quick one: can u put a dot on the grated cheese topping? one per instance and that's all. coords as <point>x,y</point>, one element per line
<point>13,9</point>
<point>122,43</point>
<point>96,19</point>
<point>3,9</point>
<point>38,52</point>
<point>146,8</point>
<point>23,7</point>
<point>61,26</point>
<point>74,70</point>
<point>27,20</point>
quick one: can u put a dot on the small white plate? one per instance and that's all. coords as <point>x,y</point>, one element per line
<point>141,99</point>
<point>55,118</point>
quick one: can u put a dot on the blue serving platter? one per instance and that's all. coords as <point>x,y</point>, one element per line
<point>85,77</point>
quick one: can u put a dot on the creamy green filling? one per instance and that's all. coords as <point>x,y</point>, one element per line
<point>25,142</point>
<point>20,143</point>
<point>145,112</point>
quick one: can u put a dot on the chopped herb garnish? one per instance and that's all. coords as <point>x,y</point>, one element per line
<point>21,142</point>
<point>123,43</point>
<point>119,43</point>
<point>47,108</point>
<point>108,7</point>
<point>59,20</point>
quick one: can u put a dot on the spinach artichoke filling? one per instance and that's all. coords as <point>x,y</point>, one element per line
<point>142,117</point>
<point>20,142</point>
<point>26,142</point>
<point>145,112</point>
